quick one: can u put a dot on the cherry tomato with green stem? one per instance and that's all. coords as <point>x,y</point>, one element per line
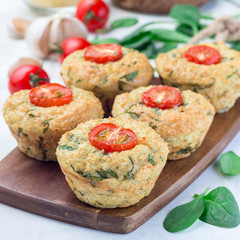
<point>93,13</point>
<point>27,77</point>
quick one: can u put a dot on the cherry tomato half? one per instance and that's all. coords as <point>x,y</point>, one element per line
<point>163,97</point>
<point>70,45</point>
<point>111,138</point>
<point>49,95</point>
<point>203,55</point>
<point>103,53</point>
<point>93,13</point>
<point>27,77</point>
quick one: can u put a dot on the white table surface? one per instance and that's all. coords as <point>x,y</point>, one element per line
<point>16,224</point>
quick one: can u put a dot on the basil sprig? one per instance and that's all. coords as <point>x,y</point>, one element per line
<point>218,208</point>
<point>230,163</point>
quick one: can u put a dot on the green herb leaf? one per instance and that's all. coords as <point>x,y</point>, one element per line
<point>106,40</point>
<point>67,147</point>
<point>160,34</point>
<point>221,209</point>
<point>149,50</point>
<point>186,14</point>
<point>124,22</point>
<point>112,173</point>
<point>150,159</point>
<point>184,215</point>
<point>140,41</point>
<point>130,76</point>
<point>230,163</point>
<point>133,115</point>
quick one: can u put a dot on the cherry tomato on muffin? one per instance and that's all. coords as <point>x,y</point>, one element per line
<point>203,55</point>
<point>103,53</point>
<point>49,95</point>
<point>111,138</point>
<point>70,45</point>
<point>93,13</point>
<point>27,77</point>
<point>163,97</point>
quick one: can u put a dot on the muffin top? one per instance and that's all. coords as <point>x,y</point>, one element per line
<point>19,111</point>
<point>174,67</point>
<point>76,153</point>
<point>190,116</point>
<point>108,79</point>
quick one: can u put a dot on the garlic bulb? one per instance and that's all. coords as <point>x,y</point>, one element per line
<point>47,32</point>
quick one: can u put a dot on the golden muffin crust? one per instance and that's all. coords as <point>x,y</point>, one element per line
<point>219,83</point>
<point>115,179</point>
<point>107,80</point>
<point>38,129</point>
<point>183,128</point>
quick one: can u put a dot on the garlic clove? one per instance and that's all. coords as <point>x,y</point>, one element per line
<point>45,33</point>
<point>23,61</point>
<point>74,28</point>
<point>17,27</point>
<point>37,37</point>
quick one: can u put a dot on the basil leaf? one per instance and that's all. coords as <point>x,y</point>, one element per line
<point>221,209</point>
<point>124,22</point>
<point>160,34</point>
<point>230,163</point>
<point>185,215</point>
<point>186,14</point>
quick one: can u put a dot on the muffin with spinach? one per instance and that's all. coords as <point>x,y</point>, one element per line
<point>210,69</point>
<point>38,129</point>
<point>111,163</point>
<point>181,118</point>
<point>107,70</point>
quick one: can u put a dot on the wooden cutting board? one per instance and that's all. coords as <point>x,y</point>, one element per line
<point>40,187</point>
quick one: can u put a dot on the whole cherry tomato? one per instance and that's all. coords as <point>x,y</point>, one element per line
<point>93,13</point>
<point>27,77</point>
<point>103,53</point>
<point>203,55</point>
<point>111,138</point>
<point>70,45</point>
<point>49,95</point>
<point>163,97</point>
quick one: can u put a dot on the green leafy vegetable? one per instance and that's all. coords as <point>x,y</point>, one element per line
<point>221,209</point>
<point>106,40</point>
<point>133,115</point>
<point>130,76</point>
<point>230,163</point>
<point>160,34</point>
<point>112,173</point>
<point>186,14</point>
<point>150,159</point>
<point>67,147</point>
<point>124,22</point>
<point>185,215</point>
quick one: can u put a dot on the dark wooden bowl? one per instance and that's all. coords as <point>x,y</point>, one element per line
<point>154,6</point>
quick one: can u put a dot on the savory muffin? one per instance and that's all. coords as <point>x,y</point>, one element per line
<point>219,81</point>
<point>182,125</point>
<point>38,129</point>
<point>111,163</point>
<point>107,75</point>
